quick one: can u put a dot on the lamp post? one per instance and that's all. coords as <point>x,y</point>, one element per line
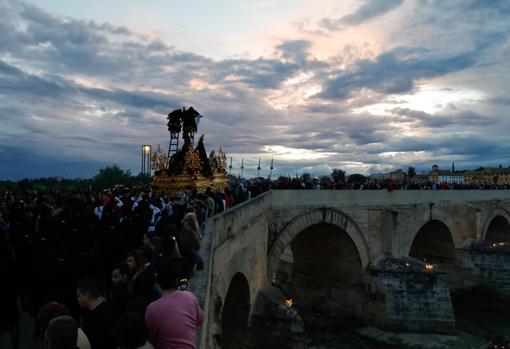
<point>146,159</point>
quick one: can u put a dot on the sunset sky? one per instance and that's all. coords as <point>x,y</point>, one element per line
<point>364,86</point>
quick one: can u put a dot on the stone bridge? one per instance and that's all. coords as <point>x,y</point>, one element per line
<point>326,250</point>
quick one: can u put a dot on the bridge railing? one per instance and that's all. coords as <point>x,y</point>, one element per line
<point>227,224</point>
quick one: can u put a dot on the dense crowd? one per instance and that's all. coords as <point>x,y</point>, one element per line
<point>325,182</point>
<point>110,261</point>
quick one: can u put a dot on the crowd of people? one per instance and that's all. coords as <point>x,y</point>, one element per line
<point>327,183</point>
<point>116,262</point>
<point>115,265</point>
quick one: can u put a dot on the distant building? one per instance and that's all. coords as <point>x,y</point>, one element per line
<point>441,176</point>
<point>421,178</point>
<point>451,178</point>
<point>379,177</point>
<point>398,177</point>
<point>489,176</point>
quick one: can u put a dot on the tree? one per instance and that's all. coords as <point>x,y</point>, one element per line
<point>338,175</point>
<point>110,176</point>
<point>305,177</point>
<point>411,172</point>
<point>141,179</point>
<point>357,178</point>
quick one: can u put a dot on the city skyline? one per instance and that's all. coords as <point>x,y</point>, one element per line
<point>365,86</point>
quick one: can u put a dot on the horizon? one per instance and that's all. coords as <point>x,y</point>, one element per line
<point>266,175</point>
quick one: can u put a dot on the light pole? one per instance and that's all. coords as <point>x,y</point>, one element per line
<point>146,159</point>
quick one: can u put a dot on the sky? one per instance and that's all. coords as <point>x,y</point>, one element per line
<point>364,86</point>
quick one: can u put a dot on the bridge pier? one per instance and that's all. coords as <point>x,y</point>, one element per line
<point>488,266</point>
<point>405,296</point>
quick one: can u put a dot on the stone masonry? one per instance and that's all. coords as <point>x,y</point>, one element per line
<point>258,240</point>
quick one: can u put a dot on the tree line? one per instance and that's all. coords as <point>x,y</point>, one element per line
<point>107,177</point>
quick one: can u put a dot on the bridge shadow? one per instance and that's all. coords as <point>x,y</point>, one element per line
<point>235,315</point>
<point>324,278</point>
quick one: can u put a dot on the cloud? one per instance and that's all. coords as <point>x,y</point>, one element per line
<point>463,119</point>
<point>393,72</point>
<point>77,89</point>
<point>303,26</point>
<point>295,50</point>
<point>369,10</point>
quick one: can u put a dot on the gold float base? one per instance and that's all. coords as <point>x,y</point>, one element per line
<point>172,185</point>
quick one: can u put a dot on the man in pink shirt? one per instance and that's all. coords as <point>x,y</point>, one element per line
<point>172,319</point>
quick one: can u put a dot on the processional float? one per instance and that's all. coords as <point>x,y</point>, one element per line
<point>188,167</point>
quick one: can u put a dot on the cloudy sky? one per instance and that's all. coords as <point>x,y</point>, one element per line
<point>364,86</point>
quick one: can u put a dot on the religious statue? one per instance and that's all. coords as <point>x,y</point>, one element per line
<point>159,160</point>
<point>188,166</point>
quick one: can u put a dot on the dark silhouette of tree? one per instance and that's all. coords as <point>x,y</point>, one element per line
<point>110,176</point>
<point>357,178</point>
<point>411,172</point>
<point>338,175</point>
<point>305,177</point>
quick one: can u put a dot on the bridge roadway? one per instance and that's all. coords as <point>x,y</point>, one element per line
<point>318,245</point>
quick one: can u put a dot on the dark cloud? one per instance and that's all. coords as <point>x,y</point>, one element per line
<point>13,80</point>
<point>296,50</point>
<point>460,119</point>
<point>454,144</point>
<point>260,73</point>
<point>499,100</point>
<point>393,72</point>
<point>369,10</point>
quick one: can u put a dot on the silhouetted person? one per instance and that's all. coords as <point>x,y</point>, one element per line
<point>62,333</point>
<point>131,333</point>
<point>99,316</point>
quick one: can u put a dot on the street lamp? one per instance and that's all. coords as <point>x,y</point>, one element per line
<point>146,159</point>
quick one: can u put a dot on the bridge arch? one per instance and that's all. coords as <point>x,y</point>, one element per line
<point>497,226</point>
<point>419,220</point>
<point>434,242</point>
<point>235,314</point>
<point>281,247</point>
<point>318,260</point>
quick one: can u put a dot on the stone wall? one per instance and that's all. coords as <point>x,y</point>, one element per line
<point>239,246</point>
<point>489,269</point>
<point>410,301</point>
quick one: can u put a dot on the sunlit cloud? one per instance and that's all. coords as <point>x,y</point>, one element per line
<point>295,154</point>
<point>429,99</point>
